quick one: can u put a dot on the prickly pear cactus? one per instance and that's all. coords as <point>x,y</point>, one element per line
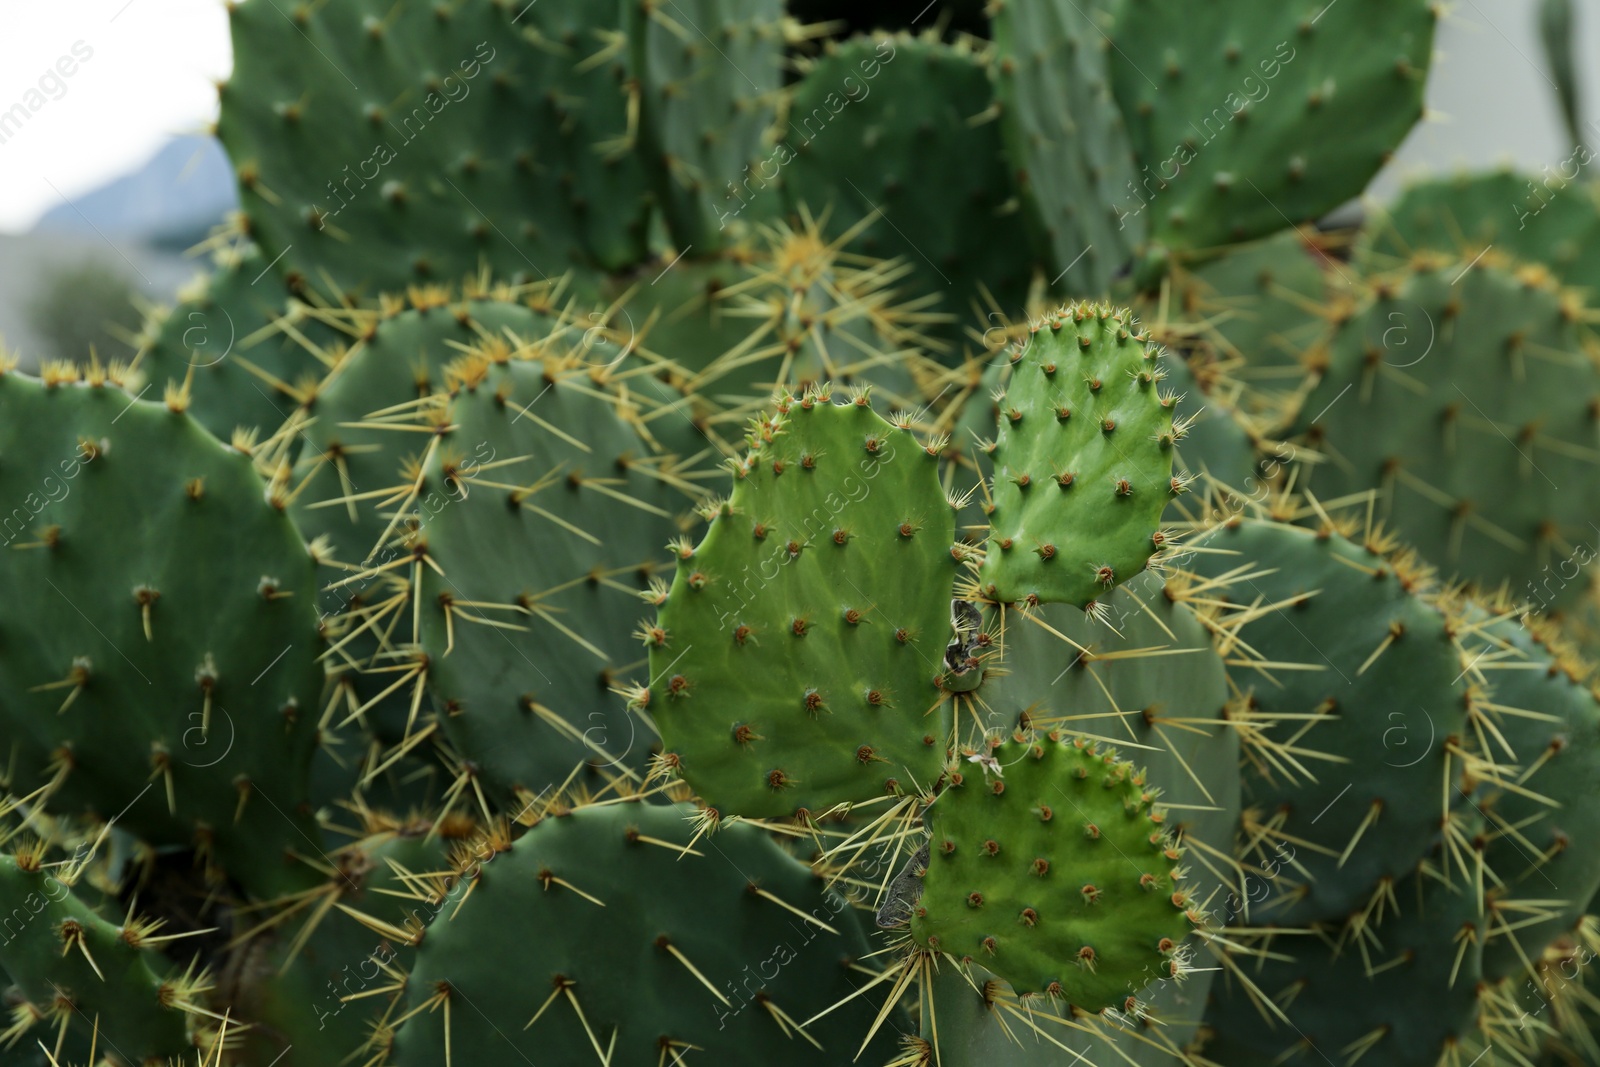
<point>1539,812</point>
<point>1050,865</point>
<point>73,966</point>
<point>1463,396</point>
<point>708,75</point>
<point>1401,983</point>
<point>1082,460</point>
<point>1307,100</point>
<point>248,351</point>
<point>1357,689</point>
<point>642,944</point>
<point>793,661</point>
<point>1065,139</point>
<point>1548,219</point>
<point>551,517</point>
<point>433,139</point>
<point>868,122</point>
<point>174,690</point>
<point>1258,304</point>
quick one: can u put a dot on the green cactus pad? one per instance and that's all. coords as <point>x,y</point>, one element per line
<point>245,345</point>
<point>1065,139</point>
<point>1547,219</point>
<point>792,663</point>
<point>1466,397</point>
<point>1249,117</point>
<point>1351,708</point>
<point>1057,873</point>
<point>870,123</point>
<point>635,945</point>
<point>334,973</point>
<point>162,636</point>
<point>1259,304</point>
<point>1542,812</point>
<point>810,314</point>
<point>1082,461</point>
<point>1403,985</point>
<point>352,449</point>
<point>59,950</point>
<point>379,146</point>
<point>551,517</point>
<point>709,75</point>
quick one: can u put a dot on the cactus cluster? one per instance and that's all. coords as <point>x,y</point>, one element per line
<point>680,532</point>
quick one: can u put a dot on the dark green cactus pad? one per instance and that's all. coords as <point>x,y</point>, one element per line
<point>361,441</point>
<point>1560,40</point>
<point>812,314</point>
<point>1066,140</point>
<point>709,74</point>
<point>634,944</point>
<point>1082,461</point>
<point>906,126</point>
<point>397,360</point>
<point>1542,808</point>
<point>1218,446</point>
<point>1403,985</point>
<point>1259,304</point>
<point>337,978</point>
<point>551,518</point>
<point>163,636</point>
<point>58,948</point>
<point>1051,867</point>
<point>244,344</point>
<point>793,662</point>
<point>1357,692</point>
<point>1547,219</point>
<point>1249,117</point>
<point>1466,397</point>
<point>379,146</point>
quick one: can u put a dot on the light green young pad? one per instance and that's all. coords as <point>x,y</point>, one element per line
<point>1082,460</point>
<point>1050,867</point>
<point>793,661</point>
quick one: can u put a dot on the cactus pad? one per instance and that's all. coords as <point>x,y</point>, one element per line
<point>636,941</point>
<point>1246,117</point>
<point>133,661</point>
<point>1474,432</point>
<point>1056,873</point>
<point>1545,220</point>
<point>550,517</point>
<point>1065,138</point>
<point>793,662</point>
<point>709,73</point>
<point>1082,460</point>
<point>233,337</point>
<point>69,961</point>
<point>379,146</point>
<point>869,124</point>
<point>1349,716</point>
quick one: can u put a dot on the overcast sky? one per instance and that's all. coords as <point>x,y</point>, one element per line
<point>155,62</point>
<point>152,74</point>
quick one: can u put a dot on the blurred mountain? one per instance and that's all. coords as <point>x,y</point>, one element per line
<point>171,202</point>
